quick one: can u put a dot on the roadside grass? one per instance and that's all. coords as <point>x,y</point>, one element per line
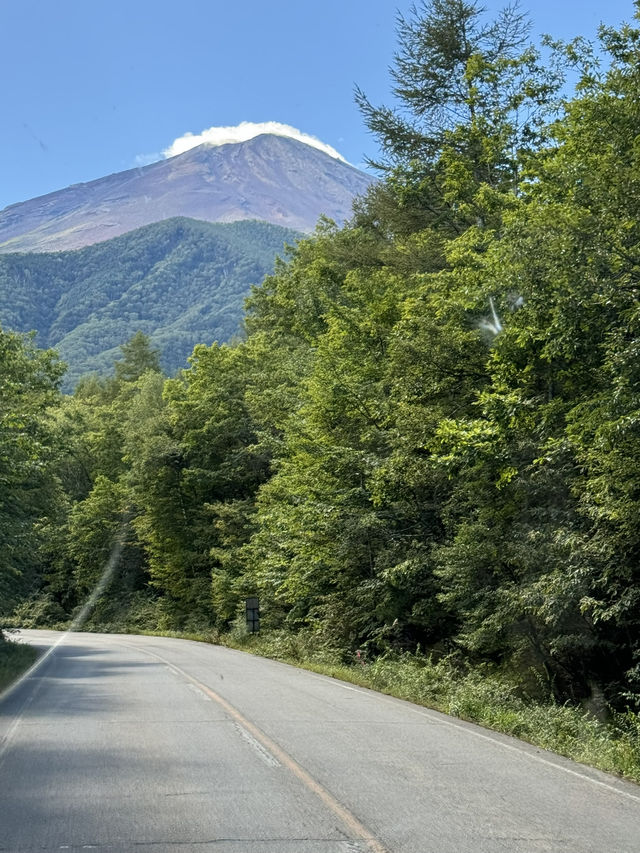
<point>15,658</point>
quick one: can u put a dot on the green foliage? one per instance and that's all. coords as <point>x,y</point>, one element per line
<point>194,471</point>
<point>94,525</point>
<point>40,610</point>
<point>138,358</point>
<point>541,557</point>
<point>180,281</point>
<point>99,433</point>
<point>15,658</point>
<point>28,389</point>
<point>473,101</point>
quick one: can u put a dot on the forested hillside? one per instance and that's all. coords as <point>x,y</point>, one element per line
<point>429,439</point>
<point>181,281</point>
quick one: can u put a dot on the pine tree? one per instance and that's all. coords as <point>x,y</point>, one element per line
<point>138,356</point>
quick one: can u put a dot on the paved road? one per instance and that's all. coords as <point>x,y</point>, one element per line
<point>122,743</point>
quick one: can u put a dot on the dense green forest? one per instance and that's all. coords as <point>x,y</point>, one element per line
<point>429,439</point>
<point>181,281</point>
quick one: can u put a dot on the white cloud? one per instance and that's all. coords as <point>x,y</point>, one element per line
<point>145,159</point>
<point>240,133</point>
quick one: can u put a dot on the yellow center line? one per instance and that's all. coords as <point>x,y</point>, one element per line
<point>350,821</point>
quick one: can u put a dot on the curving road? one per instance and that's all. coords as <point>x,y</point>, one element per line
<point>126,743</point>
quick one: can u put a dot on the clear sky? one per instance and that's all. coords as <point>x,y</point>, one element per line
<point>92,87</point>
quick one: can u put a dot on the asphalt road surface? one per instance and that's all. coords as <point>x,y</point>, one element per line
<point>124,743</point>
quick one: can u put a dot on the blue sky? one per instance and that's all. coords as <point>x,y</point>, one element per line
<point>90,86</point>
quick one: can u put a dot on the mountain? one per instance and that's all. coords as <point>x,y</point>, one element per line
<point>180,281</point>
<point>271,178</point>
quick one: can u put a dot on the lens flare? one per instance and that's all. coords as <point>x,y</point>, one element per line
<point>82,616</point>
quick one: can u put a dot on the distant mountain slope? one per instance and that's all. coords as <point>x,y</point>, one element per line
<point>271,178</point>
<point>180,281</point>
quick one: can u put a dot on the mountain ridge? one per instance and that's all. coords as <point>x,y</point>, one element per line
<point>180,281</point>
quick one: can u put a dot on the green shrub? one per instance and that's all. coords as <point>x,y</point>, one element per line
<point>15,658</point>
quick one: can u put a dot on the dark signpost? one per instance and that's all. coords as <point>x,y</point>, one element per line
<point>253,615</point>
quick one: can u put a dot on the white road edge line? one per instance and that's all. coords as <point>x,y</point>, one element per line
<point>520,750</point>
<point>8,737</point>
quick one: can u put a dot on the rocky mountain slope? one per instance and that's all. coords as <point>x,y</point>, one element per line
<point>271,178</point>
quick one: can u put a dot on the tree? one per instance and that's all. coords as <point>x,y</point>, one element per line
<point>473,100</point>
<point>138,356</point>
<point>542,557</point>
<point>29,380</point>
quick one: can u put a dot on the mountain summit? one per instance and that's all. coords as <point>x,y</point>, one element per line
<point>271,178</point>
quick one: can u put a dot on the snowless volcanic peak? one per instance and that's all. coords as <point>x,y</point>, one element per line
<point>269,177</point>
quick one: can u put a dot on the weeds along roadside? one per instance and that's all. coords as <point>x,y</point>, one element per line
<point>15,658</point>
